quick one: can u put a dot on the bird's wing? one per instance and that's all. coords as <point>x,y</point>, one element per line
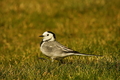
<point>65,49</point>
<point>72,52</point>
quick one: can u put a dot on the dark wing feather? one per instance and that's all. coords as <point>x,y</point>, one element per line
<point>65,49</point>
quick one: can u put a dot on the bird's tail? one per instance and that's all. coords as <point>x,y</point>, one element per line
<point>82,54</point>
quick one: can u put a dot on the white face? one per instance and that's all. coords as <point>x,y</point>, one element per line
<point>48,36</point>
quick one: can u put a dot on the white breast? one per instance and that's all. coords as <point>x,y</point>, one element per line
<point>45,52</point>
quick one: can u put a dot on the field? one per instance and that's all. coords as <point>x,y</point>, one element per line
<point>87,26</point>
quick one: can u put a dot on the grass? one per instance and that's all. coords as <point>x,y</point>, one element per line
<point>87,26</point>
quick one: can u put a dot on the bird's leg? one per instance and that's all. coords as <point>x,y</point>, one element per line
<point>52,59</point>
<point>61,61</point>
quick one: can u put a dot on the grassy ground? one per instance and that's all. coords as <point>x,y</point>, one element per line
<point>87,26</point>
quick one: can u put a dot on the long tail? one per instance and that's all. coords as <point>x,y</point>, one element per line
<point>81,54</point>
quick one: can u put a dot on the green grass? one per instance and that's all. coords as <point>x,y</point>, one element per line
<point>87,26</point>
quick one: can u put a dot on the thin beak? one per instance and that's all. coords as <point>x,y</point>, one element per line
<point>41,36</point>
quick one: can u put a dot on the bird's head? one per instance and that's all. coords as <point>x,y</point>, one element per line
<point>48,36</point>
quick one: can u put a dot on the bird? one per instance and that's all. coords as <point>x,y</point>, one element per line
<point>53,49</point>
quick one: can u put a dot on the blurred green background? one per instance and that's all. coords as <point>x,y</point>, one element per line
<point>87,26</point>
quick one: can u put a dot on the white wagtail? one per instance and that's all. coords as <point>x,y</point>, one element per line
<point>51,48</point>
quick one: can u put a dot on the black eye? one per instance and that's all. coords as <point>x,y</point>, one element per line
<point>47,34</point>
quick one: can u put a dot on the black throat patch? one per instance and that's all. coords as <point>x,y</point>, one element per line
<point>41,43</point>
<point>44,41</point>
